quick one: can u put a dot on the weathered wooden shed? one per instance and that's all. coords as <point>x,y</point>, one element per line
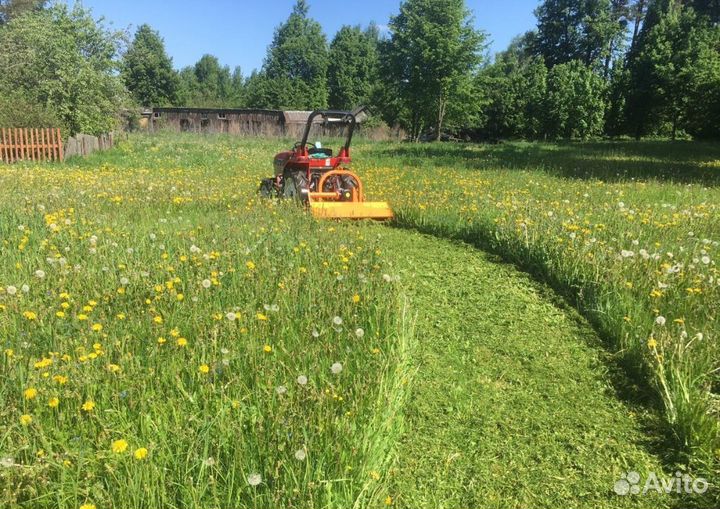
<point>250,122</point>
<point>253,122</point>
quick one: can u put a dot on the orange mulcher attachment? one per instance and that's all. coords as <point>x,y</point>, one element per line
<point>349,204</point>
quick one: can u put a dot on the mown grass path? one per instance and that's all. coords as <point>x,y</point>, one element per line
<point>511,404</point>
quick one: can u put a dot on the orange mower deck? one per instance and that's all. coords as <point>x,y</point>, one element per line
<point>329,205</point>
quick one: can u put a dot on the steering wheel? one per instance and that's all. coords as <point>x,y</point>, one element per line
<point>309,145</point>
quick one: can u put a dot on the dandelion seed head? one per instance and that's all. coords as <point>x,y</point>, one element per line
<point>254,479</point>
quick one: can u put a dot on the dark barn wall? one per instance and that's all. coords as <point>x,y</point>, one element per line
<point>239,122</point>
<point>262,123</point>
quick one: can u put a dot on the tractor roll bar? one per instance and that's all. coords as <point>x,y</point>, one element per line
<point>346,117</point>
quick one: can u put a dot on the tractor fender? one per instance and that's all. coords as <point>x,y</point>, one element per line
<point>280,161</point>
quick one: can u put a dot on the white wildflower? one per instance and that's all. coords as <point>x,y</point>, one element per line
<point>254,479</point>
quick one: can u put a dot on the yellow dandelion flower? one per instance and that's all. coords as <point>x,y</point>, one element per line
<point>652,343</point>
<point>181,342</point>
<point>88,406</point>
<point>60,379</point>
<point>250,265</point>
<point>140,453</point>
<point>161,341</point>
<point>30,393</point>
<point>375,475</point>
<point>43,363</point>
<point>30,315</point>
<point>204,369</point>
<point>60,314</point>
<point>97,327</point>
<point>388,500</point>
<point>25,419</point>
<point>82,317</point>
<point>119,446</point>
<point>158,319</point>
<point>175,333</point>
<point>113,368</point>
<point>262,317</point>
<point>53,402</point>
<point>267,349</point>
<point>87,506</point>
<point>356,298</point>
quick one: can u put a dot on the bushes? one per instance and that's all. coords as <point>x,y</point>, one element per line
<point>63,63</point>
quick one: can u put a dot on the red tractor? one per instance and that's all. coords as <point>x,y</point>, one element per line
<point>315,177</point>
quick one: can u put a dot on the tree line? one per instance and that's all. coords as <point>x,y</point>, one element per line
<point>590,68</point>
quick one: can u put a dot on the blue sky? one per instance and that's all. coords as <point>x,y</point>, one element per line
<point>238,32</point>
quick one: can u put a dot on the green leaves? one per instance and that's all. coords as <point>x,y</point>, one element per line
<point>296,65</point>
<point>353,73</point>
<point>432,54</point>
<point>65,60</point>
<point>147,70</point>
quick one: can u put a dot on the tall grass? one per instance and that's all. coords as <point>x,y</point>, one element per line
<point>168,341</point>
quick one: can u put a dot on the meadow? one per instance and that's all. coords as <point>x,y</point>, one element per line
<point>170,340</point>
<point>628,232</point>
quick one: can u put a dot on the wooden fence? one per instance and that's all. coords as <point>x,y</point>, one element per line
<point>85,144</point>
<point>25,144</point>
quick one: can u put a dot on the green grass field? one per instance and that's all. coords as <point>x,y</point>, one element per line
<point>168,340</point>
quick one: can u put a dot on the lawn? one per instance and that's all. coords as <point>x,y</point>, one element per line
<point>169,340</point>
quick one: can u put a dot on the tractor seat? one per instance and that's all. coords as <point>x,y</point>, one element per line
<point>319,153</point>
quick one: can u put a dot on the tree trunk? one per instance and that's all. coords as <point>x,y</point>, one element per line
<point>442,105</point>
<point>638,18</point>
<point>674,126</point>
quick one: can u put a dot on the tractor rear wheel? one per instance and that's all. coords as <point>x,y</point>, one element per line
<point>267,188</point>
<point>295,186</point>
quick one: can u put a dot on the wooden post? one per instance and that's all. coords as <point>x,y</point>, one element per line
<point>23,144</point>
<point>60,145</point>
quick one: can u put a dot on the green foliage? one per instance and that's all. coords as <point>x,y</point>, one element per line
<point>63,59</point>
<point>575,106</point>
<point>147,70</point>
<point>584,30</point>
<point>703,105</point>
<point>659,70</point>
<point>12,8</point>
<point>294,75</point>
<point>516,87</point>
<point>428,65</point>
<point>18,111</point>
<point>207,84</point>
<point>353,70</point>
